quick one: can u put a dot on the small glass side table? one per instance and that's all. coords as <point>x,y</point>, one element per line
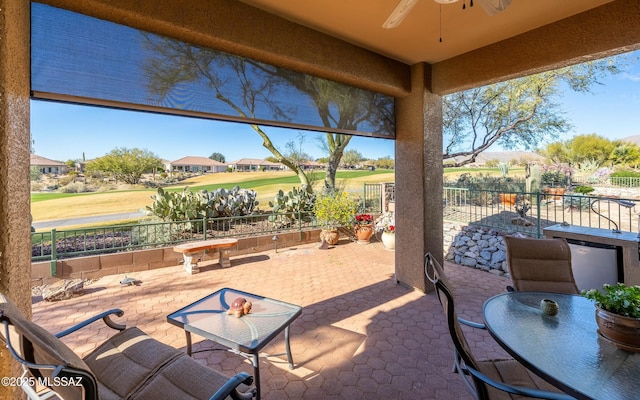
<point>246,335</point>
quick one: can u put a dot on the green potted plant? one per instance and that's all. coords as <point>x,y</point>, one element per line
<point>332,211</point>
<point>618,314</point>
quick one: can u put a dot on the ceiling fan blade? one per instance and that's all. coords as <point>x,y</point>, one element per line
<point>493,7</point>
<point>398,13</point>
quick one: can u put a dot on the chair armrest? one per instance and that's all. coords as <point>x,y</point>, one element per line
<point>519,390</point>
<point>103,316</point>
<point>472,324</point>
<point>230,388</point>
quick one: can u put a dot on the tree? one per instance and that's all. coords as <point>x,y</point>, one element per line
<point>625,154</point>
<point>35,173</point>
<point>126,165</point>
<point>339,107</point>
<point>580,150</point>
<point>217,157</point>
<point>384,163</point>
<point>351,158</point>
<point>518,113</point>
<point>589,148</point>
<point>295,152</point>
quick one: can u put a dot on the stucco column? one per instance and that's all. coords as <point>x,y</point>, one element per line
<point>15,239</point>
<point>418,163</point>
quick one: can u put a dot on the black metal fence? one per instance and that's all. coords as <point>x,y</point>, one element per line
<point>530,213</point>
<point>378,196</point>
<point>58,244</point>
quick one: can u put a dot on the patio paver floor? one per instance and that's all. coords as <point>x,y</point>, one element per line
<point>360,334</point>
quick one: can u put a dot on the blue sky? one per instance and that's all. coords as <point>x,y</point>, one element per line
<point>63,131</point>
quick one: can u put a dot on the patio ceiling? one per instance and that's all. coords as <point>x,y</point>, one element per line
<point>416,39</point>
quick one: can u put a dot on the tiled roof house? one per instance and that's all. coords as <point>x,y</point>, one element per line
<point>254,164</point>
<point>195,164</point>
<point>48,166</point>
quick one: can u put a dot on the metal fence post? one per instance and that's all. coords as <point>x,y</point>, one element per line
<point>364,197</point>
<point>204,228</point>
<point>53,252</point>
<point>538,221</point>
<point>300,225</point>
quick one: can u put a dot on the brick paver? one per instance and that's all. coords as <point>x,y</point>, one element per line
<point>360,334</point>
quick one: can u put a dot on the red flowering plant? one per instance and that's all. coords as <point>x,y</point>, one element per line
<point>364,219</point>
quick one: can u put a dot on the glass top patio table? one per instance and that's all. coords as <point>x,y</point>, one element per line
<point>244,335</point>
<point>208,318</point>
<point>566,349</point>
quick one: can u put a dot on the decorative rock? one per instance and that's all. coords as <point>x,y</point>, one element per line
<point>63,290</point>
<point>486,255</point>
<point>476,247</point>
<point>498,257</point>
<point>469,262</point>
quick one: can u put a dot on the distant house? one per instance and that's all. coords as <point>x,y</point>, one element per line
<point>310,164</point>
<point>195,164</point>
<point>253,164</point>
<point>47,166</point>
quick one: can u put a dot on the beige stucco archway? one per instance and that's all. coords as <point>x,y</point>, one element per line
<point>233,26</point>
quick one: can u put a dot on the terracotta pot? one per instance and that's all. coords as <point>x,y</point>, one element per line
<point>389,240</point>
<point>363,233</point>
<point>624,332</point>
<point>508,198</point>
<point>555,193</point>
<point>331,236</point>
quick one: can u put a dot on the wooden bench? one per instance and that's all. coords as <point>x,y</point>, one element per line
<point>188,250</point>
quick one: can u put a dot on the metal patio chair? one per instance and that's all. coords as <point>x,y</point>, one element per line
<point>130,364</point>
<point>491,379</point>
<point>540,265</point>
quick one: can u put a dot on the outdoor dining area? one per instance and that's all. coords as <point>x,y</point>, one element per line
<point>336,324</point>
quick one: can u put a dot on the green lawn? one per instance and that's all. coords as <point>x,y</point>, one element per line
<point>286,182</point>
<point>48,206</point>
<point>36,197</point>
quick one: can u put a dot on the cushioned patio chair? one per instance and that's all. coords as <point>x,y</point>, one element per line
<point>491,379</point>
<point>129,365</point>
<point>540,265</point>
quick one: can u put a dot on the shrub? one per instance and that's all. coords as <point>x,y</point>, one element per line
<point>295,201</point>
<point>77,187</point>
<point>187,205</point>
<point>578,202</point>
<point>176,206</point>
<point>553,178</point>
<point>583,189</point>
<point>334,210</point>
<point>229,203</point>
<point>632,181</point>
<point>154,232</point>
<point>626,174</point>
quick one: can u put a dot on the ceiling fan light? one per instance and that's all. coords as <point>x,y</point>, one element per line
<point>445,1</point>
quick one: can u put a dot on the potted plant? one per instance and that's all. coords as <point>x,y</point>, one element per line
<point>363,228</point>
<point>618,314</point>
<point>386,224</point>
<point>332,211</point>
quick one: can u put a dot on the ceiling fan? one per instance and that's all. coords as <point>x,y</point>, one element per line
<point>491,7</point>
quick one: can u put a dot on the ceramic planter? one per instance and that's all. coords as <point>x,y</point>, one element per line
<point>363,233</point>
<point>389,240</point>
<point>331,236</point>
<point>624,332</point>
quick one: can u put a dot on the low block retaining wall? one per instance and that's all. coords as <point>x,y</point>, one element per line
<point>92,267</point>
